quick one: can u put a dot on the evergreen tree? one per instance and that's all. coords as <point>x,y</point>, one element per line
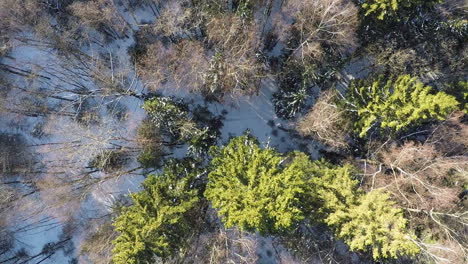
<point>174,120</point>
<point>295,84</point>
<point>168,114</point>
<point>459,89</point>
<point>289,103</point>
<point>373,223</point>
<point>257,189</point>
<point>334,187</point>
<point>385,8</point>
<point>366,221</point>
<point>396,104</point>
<point>158,223</point>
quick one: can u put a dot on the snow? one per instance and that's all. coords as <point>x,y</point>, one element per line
<point>257,114</point>
<point>38,235</point>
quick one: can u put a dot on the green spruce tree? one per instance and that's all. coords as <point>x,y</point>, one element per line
<point>159,222</point>
<point>262,190</point>
<point>384,9</point>
<point>396,104</point>
<point>374,224</point>
<point>257,189</point>
<point>365,221</point>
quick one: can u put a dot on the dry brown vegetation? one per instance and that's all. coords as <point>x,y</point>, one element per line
<point>207,47</point>
<point>177,21</point>
<point>97,244</point>
<point>317,25</point>
<point>182,65</point>
<point>15,16</point>
<point>325,122</point>
<point>228,67</point>
<point>101,15</point>
<point>428,180</point>
<point>234,68</point>
<point>223,246</point>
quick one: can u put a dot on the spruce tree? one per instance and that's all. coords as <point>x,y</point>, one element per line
<point>159,221</point>
<point>384,9</point>
<point>396,105</point>
<point>257,189</point>
<point>374,224</point>
<point>262,190</point>
<point>334,187</point>
<point>365,221</point>
<point>174,120</point>
<point>169,115</point>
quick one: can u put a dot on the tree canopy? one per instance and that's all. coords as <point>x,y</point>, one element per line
<point>256,189</point>
<point>158,222</point>
<point>385,8</point>
<point>365,221</point>
<point>396,104</point>
<point>262,190</point>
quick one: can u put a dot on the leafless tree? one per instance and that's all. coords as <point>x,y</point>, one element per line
<point>15,16</point>
<point>101,15</point>
<point>326,122</point>
<point>178,20</point>
<point>181,65</point>
<point>317,25</point>
<point>234,67</point>
<point>97,245</point>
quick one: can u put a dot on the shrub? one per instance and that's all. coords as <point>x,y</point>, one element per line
<point>326,122</point>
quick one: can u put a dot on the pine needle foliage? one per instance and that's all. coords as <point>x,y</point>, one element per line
<point>167,113</point>
<point>257,189</point>
<point>262,190</point>
<point>365,221</point>
<point>388,8</point>
<point>159,221</point>
<point>396,104</point>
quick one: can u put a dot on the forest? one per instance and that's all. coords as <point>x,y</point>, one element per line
<point>233,131</point>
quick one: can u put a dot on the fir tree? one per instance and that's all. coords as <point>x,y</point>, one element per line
<point>261,190</point>
<point>257,189</point>
<point>459,89</point>
<point>168,114</point>
<point>289,103</point>
<point>396,104</point>
<point>373,223</point>
<point>174,120</point>
<point>366,221</point>
<point>158,223</point>
<point>385,8</point>
<point>334,187</point>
